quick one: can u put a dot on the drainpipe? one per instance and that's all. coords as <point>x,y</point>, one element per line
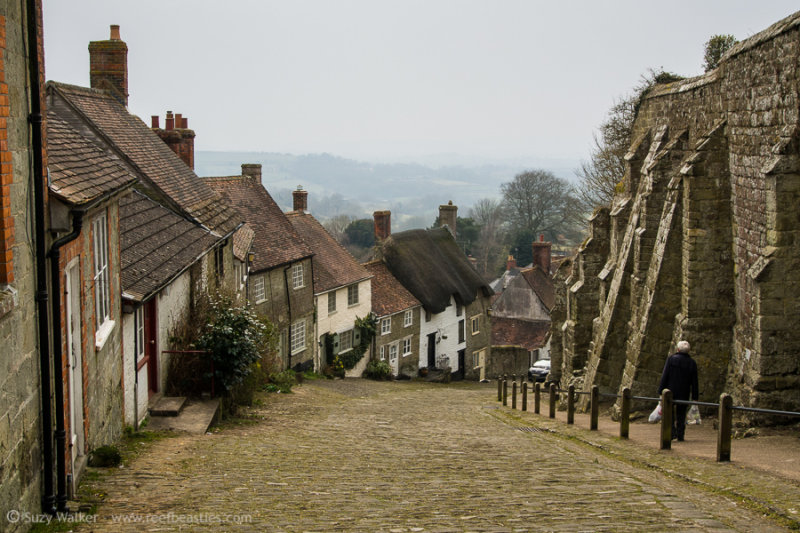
<point>289,305</point>
<point>37,144</point>
<point>58,382</point>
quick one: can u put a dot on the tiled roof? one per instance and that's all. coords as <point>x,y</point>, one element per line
<point>529,334</point>
<point>243,241</point>
<point>333,265</point>
<point>143,149</point>
<point>79,170</point>
<point>156,245</point>
<point>388,295</point>
<point>542,285</point>
<point>275,240</point>
<point>431,265</point>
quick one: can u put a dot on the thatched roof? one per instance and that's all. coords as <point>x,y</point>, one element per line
<point>430,264</point>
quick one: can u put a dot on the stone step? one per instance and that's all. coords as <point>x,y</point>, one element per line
<point>196,418</point>
<point>168,406</point>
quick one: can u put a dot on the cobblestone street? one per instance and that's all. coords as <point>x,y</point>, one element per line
<point>355,455</point>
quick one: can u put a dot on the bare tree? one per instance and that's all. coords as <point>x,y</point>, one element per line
<point>537,202</point>
<point>606,166</point>
<point>488,215</point>
<point>336,226</point>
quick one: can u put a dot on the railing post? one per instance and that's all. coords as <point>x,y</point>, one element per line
<point>571,405</point>
<point>666,419</point>
<point>505,390</point>
<point>499,389</point>
<point>625,414</point>
<point>725,426</point>
<point>552,400</point>
<point>524,396</point>
<point>594,408</point>
<point>537,397</point>
<point>514,394</point>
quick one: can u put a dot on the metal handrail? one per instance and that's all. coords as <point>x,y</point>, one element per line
<point>725,408</point>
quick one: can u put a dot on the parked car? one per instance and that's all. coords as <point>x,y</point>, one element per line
<point>539,370</point>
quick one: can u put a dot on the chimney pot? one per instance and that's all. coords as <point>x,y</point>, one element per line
<point>511,263</point>
<point>300,199</point>
<point>170,122</point>
<point>115,32</point>
<point>383,224</point>
<point>178,120</point>
<point>108,66</point>
<point>154,121</point>
<point>185,123</point>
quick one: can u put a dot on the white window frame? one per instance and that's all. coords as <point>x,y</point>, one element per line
<point>102,296</point>
<point>352,295</point>
<point>346,336</point>
<point>331,302</point>
<point>478,359</point>
<point>408,318</point>
<point>475,324</point>
<point>406,351</point>
<point>259,289</point>
<point>393,352</point>
<point>298,281</point>
<point>383,352</point>
<point>298,336</point>
<point>386,326</point>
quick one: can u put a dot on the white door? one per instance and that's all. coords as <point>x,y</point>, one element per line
<point>75,361</point>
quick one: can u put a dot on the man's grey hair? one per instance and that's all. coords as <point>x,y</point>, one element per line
<point>683,347</point>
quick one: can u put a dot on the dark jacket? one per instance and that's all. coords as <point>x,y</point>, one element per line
<point>680,376</point>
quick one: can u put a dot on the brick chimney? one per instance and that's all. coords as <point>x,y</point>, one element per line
<point>448,214</point>
<point>511,263</point>
<point>300,199</point>
<point>383,224</point>
<point>177,135</point>
<point>108,66</point>
<point>542,254</point>
<point>252,170</point>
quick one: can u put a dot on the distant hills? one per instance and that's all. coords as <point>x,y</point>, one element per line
<point>412,191</point>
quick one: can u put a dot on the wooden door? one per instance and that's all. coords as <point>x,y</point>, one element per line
<point>151,344</point>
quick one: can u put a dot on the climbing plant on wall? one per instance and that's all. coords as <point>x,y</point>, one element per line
<point>363,332</point>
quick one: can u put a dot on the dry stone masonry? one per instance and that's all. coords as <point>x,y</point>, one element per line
<point>701,241</point>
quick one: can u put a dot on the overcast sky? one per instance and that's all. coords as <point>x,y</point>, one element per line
<point>390,79</point>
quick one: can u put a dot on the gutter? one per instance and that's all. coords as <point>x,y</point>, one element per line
<point>61,436</point>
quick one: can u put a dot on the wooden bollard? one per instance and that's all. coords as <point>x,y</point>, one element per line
<point>594,408</point>
<point>666,419</point>
<point>552,400</point>
<point>625,414</point>
<point>537,397</point>
<point>725,427</point>
<point>524,396</point>
<point>514,394</point>
<point>505,392</point>
<point>571,405</point>
<point>499,389</point>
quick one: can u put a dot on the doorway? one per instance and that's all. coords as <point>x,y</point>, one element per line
<point>72,296</point>
<point>151,345</point>
<point>431,350</point>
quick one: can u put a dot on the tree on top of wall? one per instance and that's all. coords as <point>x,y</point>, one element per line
<point>715,48</point>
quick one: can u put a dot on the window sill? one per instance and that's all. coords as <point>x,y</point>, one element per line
<point>261,301</point>
<point>103,334</point>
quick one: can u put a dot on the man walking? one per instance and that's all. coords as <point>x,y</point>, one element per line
<point>680,376</point>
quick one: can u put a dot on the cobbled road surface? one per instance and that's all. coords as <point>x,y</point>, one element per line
<point>356,455</point>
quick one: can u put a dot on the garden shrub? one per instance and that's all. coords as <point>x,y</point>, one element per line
<point>378,370</point>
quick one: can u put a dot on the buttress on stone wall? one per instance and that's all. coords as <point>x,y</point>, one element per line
<point>701,241</point>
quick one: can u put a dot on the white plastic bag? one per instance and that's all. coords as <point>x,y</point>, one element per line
<point>693,415</point>
<point>655,416</point>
